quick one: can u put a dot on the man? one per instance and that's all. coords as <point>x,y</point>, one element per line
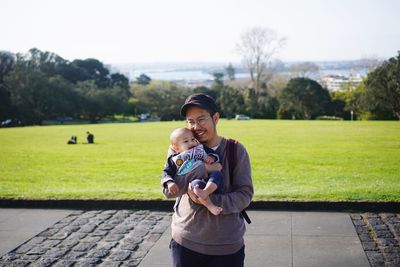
<point>200,238</point>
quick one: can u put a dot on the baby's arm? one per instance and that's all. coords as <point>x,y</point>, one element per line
<point>168,174</point>
<point>209,159</point>
<point>172,187</point>
<point>214,157</point>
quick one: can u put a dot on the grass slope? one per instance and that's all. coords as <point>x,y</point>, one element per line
<point>291,160</point>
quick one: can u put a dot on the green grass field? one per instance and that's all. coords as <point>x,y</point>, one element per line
<point>291,160</point>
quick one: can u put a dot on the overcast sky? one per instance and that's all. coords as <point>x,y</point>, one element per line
<point>118,31</point>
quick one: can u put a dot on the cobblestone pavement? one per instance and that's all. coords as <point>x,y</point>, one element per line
<point>93,238</point>
<point>124,237</point>
<point>380,237</point>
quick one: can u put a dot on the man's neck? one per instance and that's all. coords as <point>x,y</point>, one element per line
<point>214,142</point>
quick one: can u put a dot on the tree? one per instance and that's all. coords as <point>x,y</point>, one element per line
<point>304,69</point>
<point>230,72</point>
<point>90,69</point>
<point>160,99</point>
<point>383,86</point>
<point>37,97</point>
<point>349,100</point>
<point>213,92</point>
<point>41,85</point>
<point>7,61</point>
<point>47,62</point>
<point>118,79</point>
<point>35,88</point>
<point>218,79</point>
<point>303,98</point>
<point>61,99</point>
<point>96,103</point>
<point>143,79</point>
<point>230,101</point>
<point>257,47</point>
<point>260,105</point>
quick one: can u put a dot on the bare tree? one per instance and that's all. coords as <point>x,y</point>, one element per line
<point>304,69</point>
<point>258,46</point>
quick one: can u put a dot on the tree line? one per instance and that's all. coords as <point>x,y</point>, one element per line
<point>295,96</point>
<point>39,86</point>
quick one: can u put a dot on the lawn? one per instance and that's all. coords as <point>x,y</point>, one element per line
<point>291,160</point>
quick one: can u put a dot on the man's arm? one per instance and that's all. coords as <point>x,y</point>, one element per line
<point>241,190</point>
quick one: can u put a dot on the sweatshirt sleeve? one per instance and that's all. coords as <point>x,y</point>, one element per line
<point>241,191</point>
<point>168,172</point>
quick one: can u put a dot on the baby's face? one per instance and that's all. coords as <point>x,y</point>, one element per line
<point>185,141</point>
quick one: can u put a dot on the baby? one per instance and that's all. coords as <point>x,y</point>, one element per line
<point>190,154</point>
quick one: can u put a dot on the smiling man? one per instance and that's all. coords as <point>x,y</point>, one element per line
<point>200,238</point>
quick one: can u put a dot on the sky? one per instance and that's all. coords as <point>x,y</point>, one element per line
<point>148,31</point>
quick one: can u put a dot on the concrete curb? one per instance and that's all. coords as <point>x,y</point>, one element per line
<point>167,205</point>
<point>361,206</point>
<point>88,204</point>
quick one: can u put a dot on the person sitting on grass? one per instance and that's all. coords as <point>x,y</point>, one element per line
<point>90,138</point>
<point>72,140</point>
<point>191,154</point>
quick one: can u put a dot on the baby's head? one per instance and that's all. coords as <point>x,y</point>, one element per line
<point>182,139</point>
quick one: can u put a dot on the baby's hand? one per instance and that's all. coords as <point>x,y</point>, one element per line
<point>173,188</point>
<point>209,159</point>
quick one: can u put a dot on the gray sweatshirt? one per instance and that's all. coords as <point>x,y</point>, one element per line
<point>195,228</point>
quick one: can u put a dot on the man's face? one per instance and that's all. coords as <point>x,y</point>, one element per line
<point>200,122</point>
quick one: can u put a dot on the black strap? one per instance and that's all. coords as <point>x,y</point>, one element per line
<point>231,152</point>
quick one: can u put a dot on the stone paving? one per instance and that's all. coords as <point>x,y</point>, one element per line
<point>93,238</point>
<point>124,237</point>
<point>380,237</point>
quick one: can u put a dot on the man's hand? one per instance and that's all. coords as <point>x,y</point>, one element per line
<point>172,188</point>
<point>193,196</point>
<point>215,167</point>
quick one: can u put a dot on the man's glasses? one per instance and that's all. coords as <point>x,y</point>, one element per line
<point>200,122</point>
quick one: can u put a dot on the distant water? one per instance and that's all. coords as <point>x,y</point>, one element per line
<point>192,75</point>
<point>202,71</point>
<point>198,75</point>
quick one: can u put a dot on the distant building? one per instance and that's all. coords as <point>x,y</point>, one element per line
<point>193,83</point>
<point>335,82</point>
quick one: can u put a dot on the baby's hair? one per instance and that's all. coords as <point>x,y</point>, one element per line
<point>177,132</point>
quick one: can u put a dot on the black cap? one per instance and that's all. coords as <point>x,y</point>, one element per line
<point>202,101</point>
